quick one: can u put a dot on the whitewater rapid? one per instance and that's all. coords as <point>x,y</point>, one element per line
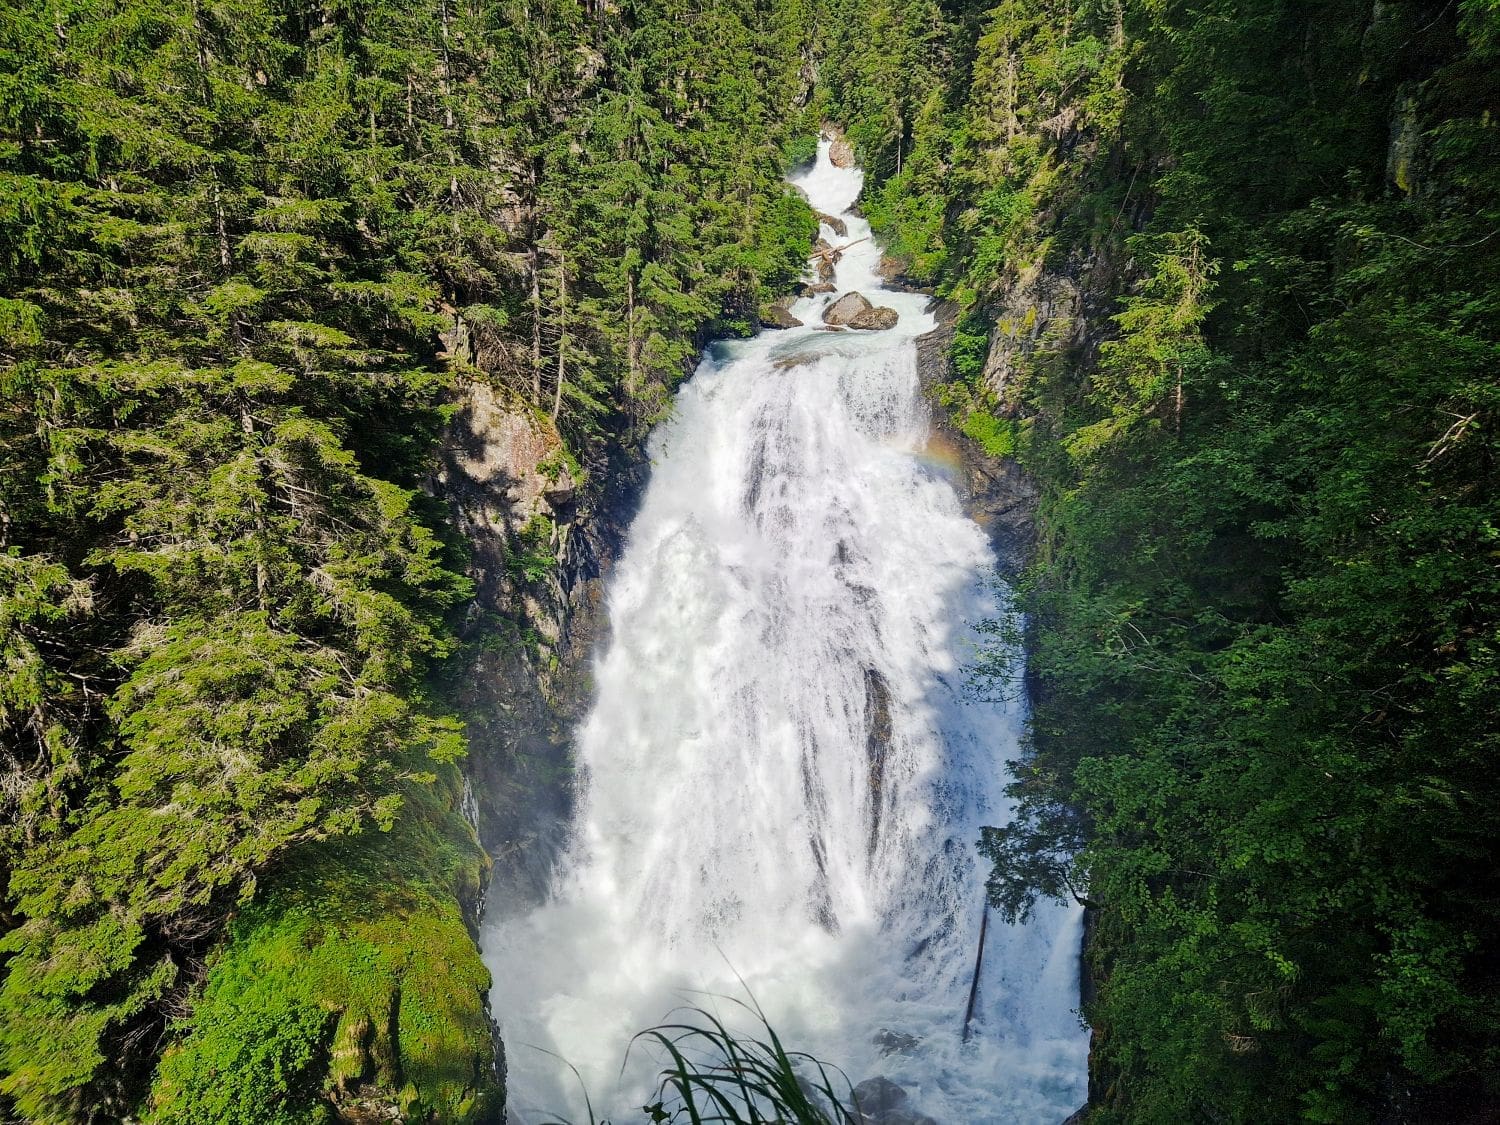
<point>781,782</point>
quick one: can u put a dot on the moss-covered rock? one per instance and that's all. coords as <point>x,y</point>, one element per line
<point>352,990</point>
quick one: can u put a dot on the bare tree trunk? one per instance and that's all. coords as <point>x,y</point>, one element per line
<point>221,225</point>
<point>446,85</point>
<point>262,575</point>
<point>536,325</point>
<point>1010,96</point>
<point>562,339</point>
<point>216,192</point>
<point>630,332</point>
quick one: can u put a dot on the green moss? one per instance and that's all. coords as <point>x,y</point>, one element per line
<point>996,436</point>
<point>354,981</point>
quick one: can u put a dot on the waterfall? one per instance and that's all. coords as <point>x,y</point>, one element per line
<point>781,782</point>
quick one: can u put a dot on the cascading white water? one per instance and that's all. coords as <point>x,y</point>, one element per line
<point>781,781</point>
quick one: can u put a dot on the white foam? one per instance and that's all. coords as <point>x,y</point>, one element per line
<point>792,554</point>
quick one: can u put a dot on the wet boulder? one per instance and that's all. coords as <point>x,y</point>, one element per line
<point>879,1101</point>
<point>895,1042</point>
<point>835,224</point>
<point>876,319</point>
<point>778,314</point>
<point>824,258</point>
<point>841,153</point>
<point>843,311</point>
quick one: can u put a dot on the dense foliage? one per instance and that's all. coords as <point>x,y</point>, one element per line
<point>246,247</point>
<point>1229,276</point>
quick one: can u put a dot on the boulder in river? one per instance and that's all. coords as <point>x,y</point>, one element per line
<point>778,314</point>
<point>824,258</point>
<point>834,223</point>
<point>841,153</point>
<point>895,1042</point>
<point>879,1101</point>
<point>876,319</point>
<point>843,311</point>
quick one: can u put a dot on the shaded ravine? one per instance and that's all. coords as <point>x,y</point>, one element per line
<point>781,782</point>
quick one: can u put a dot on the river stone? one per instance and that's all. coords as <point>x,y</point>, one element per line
<point>834,223</point>
<point>895,1042</point>
<point>875,320</point>
<point>778,314</point>
<point>841,153</point>
<point>878,1095</point>
<point>879,1101</point>
<point>843,311</point>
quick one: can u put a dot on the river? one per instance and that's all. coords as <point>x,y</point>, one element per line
<point>781,780</point>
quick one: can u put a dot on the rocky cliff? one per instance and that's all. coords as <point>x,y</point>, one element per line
<point>541,532</point>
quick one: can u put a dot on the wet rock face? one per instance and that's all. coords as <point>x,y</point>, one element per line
<point>893,271</point>
<point>841,153</point>
<point>879,1101</point>
<point>996,493</point>
<point>524,681</point>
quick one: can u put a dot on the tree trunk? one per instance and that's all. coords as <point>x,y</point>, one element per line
<point>536,325</point>
<point>630,384</point>
<point>562,338</point>
<point>257,512</point>
<point>446,85</point>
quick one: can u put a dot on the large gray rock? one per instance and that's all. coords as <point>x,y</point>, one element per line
<point>879,1101</point>
<point>876,319</point>
<point>841,153</point>
<point>834,223</point>
<point>843,311</point>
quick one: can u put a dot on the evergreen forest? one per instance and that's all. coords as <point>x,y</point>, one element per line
<point>1222,276</point>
